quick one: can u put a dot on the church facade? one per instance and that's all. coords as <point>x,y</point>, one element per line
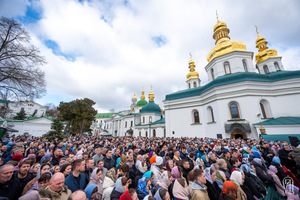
<point>240,97</point>
<point>142,119</point>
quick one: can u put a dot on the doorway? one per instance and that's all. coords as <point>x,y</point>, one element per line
<point>238,134</point>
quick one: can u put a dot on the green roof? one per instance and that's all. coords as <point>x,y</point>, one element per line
<point>104,115</point>
<point>281,121</point>
<point>28,119</point>
<point>5,101</point>
<point>141,103</point>
<point>279,137</point>
<point>161,121</point>
<point>151,107</point>
<point>235,78</point>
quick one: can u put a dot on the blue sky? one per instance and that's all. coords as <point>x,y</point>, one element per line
<point>108,50</point>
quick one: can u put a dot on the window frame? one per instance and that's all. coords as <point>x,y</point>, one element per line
<point>237,108</point>
<point>245,66</point>
<point>266,69</point>
<point>227,63</point>
<point>212,73</point>
<point>276,65</point>
<point>194,116</point>
<point>263,110</point>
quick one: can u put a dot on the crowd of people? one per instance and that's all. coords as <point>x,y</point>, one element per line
<point>141,168</point>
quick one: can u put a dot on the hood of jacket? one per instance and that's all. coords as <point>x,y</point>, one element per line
<point>197,186</point>
<point>108,182</point>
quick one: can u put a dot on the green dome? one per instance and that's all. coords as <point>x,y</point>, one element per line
<point>141,103</point>
<point>151,107</point>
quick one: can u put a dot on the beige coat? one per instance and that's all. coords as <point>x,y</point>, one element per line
<point>46,192</point>
<point>199,194</point>
<point>240,193</point>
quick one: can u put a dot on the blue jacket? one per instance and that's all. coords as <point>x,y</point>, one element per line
<point>72,184</point>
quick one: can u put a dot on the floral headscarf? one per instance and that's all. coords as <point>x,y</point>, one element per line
<point>142,185</point>
<point>112,174</point>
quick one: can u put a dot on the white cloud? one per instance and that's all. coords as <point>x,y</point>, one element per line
<point>117,57</point>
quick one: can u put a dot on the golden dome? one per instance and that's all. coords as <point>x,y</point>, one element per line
<point>223,43</point>
<point>151,96</point>
<point>193,74</point>
<point>143,95</point>
<point>263,52</point>
<point>134,97</point>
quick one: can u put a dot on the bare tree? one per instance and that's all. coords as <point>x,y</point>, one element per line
<point>51,110</point>
<point>20,61</point>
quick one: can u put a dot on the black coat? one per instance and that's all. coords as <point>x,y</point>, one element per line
<point>11,189</point>
<point>137,177</point>
<point>251,185</point>
<point>261,173</point>
<point>109,163</point>
<point>213,190</point>
<point>284,155</point>
<point>258,184</point>
<point>115,195</point>
<point>248,192</point>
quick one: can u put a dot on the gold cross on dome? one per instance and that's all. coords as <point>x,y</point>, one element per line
<point>190,55</point>
<point>217,15</point>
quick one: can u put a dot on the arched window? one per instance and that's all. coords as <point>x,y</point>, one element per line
<point>212,74</point>
<point>165,132</point>
<point>143,119</point>
<point>146,133</point>
<point>195,84</point>
<point>245,66</point>
<point>189,85</point>
<point>210,113</point>
<point>140,133</point>
<point>276,66</point>
<point>125,124</point>
<point>131,124</point>
<point>227,68</point>
<point>265,109</point>
<point>234,111</point>
<point>196,116</point>
<point>154,133</point>
<point>266,69</point>
<point>150,119</point>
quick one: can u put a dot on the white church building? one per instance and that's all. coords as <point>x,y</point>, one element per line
<point>239,97</point>
<point>142,119</point>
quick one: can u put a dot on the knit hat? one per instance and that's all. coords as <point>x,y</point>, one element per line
<point>256,155</point>
<point>17,157</point>
<point>159,160</point>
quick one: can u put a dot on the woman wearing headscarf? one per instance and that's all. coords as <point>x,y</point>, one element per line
<point>280,172</point>
<point>212,186</point>
<point>229,191</point>
<point>180,189</point>
<point>176,173</point>
<point>90,191</point>
<point>237,178</point>
<point>262,173</point>
<point>223,168</point>
<point>109,183</point>
<point>141,169</point>
<point>292,192</point>
<point>253,186</point>
<point>206,161</point>
<point>279,187</point>
<point>96,180</point>
<point>120,187</point>
<point>34,168</point>
<point>144,188</point>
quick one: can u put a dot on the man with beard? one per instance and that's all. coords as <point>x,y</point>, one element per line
<point>89,167</point>
<point>9,186</point>
<point>56,156</point>
<point>23,174</point>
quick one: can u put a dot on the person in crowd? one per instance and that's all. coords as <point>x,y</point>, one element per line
<point>70,158</point>
<point>23,174</point>
<point>141,170</point>
<point>199,190</point>
<point>121,186</point>
<point>176,158</point>
<point>34,168</point>
<point>278,185</point>
<point>78,195</point>
<point>213,189</point>
<point>96,180</point>
<point>9,183</point>
<point>89,167</point>
<point>57,155</point>
<point>229,191</point>
<point>223,168</point>
<point>180,189</point>
<point>129,194</point>
<point>109,162</point>
<point>144,188</point>
<point>76,180</point>
<point>91,192</point>
<point>55,169</point>
<point>98,154</point>
<point>238,179</point>
<point>292,192</point>
<point>156,168</point>
<point>162,194</point>
<point>100,165</point>
<point>66,169</point>
<point>109,183</point>
<point>56,190</point>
